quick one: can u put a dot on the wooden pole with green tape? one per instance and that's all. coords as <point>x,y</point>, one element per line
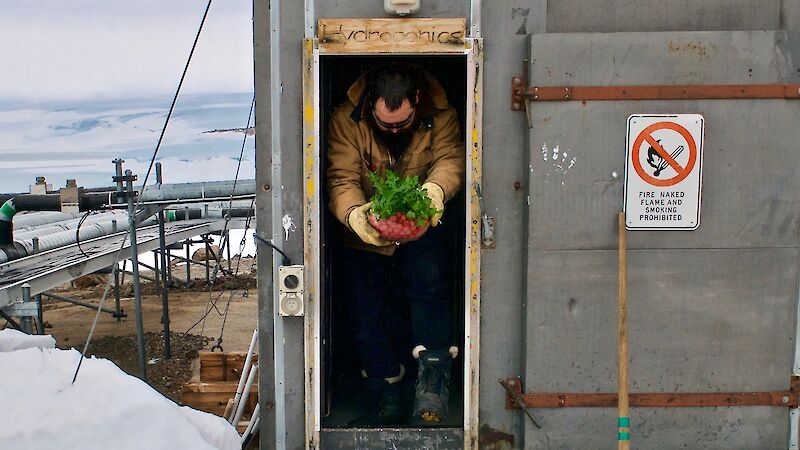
<point>623,419</point>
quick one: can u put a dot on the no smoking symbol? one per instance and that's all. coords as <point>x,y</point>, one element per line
<point>665,159</point>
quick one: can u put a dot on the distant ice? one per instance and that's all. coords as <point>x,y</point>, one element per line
<point>80,139</point>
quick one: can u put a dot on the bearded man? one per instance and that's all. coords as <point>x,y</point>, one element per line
<point>396,117</point>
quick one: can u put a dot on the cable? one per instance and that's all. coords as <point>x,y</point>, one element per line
<point>225,235</point>
<point>78,231</point>
<point>286,261</point>
<point>175,98</point>
<point>144,185</point>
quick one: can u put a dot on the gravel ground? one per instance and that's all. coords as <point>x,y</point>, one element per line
<point>164,375</point>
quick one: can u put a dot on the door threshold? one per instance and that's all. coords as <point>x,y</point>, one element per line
<point>391,438</point>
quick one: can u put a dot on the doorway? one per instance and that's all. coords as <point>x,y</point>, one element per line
<point>341,389</point>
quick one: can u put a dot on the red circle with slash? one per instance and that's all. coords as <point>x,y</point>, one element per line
<point>647,135</point>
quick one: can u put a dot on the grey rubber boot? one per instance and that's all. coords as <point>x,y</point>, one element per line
<point>432,387</point>
<point>384,403</point>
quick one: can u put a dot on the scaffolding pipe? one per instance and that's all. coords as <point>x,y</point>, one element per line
<point>250,377</point>
<point>162,244</point>
<point>84,304</point>
<point>248,362</point>
<point>254,419</point>
<point>117,308</point>
<point>137,292</point>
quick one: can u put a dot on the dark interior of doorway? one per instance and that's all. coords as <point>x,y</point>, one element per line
<point>341,386</point>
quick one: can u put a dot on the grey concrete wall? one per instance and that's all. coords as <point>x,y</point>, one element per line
<point>505,26</point>
<point>569,16</point>
<point>711,310</point>
<point>374,8</point>
<point>291,192</point>
<point>266,381</point>
<point>542,316</point>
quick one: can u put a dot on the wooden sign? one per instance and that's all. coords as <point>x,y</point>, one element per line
<point>391,35</point>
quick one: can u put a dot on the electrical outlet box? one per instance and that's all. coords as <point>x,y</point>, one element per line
<point>401,7</point>
<point>291,291</point>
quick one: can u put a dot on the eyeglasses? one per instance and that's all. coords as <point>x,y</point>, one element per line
<point>396,125</point>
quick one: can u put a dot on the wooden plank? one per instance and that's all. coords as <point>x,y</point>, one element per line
<point>425,35</point>
<point>213,397</point>
<point>222,366</point>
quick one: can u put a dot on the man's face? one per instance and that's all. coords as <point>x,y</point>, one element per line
<point>393,121</point>
<point>394,129</point>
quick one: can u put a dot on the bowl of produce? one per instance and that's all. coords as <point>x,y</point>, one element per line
<point>401,209</point>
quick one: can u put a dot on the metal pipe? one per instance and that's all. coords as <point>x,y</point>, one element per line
<point>169,263</point>
<point>55,227</point>
<point>156,275</point>
<point>162,244</point>
<point>156,271</point>
<point>23,248</point>
<point>248,362</point>
<point>245,395</point>
<point>84,304</point>
<point>24,221</point>
<point>25,322</point>
<point>143,277</point>
<point>475,18</point>
<point>137,293</point>
<point>228,248</point>
<point>38,297</point>
<point>253,422</point>
<point>208,252</point>
<point>115,273</point>
<point>202,191</point>
<point>188,266</point>
<point>276,91</point>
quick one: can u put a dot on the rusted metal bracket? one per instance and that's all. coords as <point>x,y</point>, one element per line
<point>788,399</point>
<point>513,387</point>
<point>678,92</point>
<point>518,87</point>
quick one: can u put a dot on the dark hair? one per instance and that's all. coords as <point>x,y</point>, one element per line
<point>393,83</point>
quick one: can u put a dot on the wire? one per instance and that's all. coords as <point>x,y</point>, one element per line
<point>286,261</point>
<point>175,98</point>
<point>144,185</point>
<point>78,231</point>
<point>225,237</point>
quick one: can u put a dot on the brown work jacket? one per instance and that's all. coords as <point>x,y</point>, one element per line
<point>436,154</point>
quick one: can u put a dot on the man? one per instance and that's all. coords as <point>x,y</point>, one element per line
<point>396,118</point>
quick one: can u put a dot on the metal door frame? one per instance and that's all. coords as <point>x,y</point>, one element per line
<point>312,185</point>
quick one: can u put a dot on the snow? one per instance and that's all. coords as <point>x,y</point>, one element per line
<point>11,340</point>
<point>104,408</point>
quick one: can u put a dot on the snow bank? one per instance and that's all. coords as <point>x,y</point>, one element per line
<point>11,340</point>
<point>105,408</point>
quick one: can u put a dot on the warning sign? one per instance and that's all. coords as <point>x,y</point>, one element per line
<point>663,177</point>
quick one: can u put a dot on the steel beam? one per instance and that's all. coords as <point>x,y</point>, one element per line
<point>50,269</point>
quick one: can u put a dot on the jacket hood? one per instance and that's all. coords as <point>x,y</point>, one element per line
<point>435,91</point>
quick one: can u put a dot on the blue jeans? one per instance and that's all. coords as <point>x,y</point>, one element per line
<point>389,298</point>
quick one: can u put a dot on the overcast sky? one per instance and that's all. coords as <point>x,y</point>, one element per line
<point>86,81</point>
<point>91,49</point>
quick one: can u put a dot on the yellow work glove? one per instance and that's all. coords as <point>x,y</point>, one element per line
<point>358,221</point>
<point>436,194</point>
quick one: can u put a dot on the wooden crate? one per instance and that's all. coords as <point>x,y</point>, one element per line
<point>213,397</point>
<point>223,366</point>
